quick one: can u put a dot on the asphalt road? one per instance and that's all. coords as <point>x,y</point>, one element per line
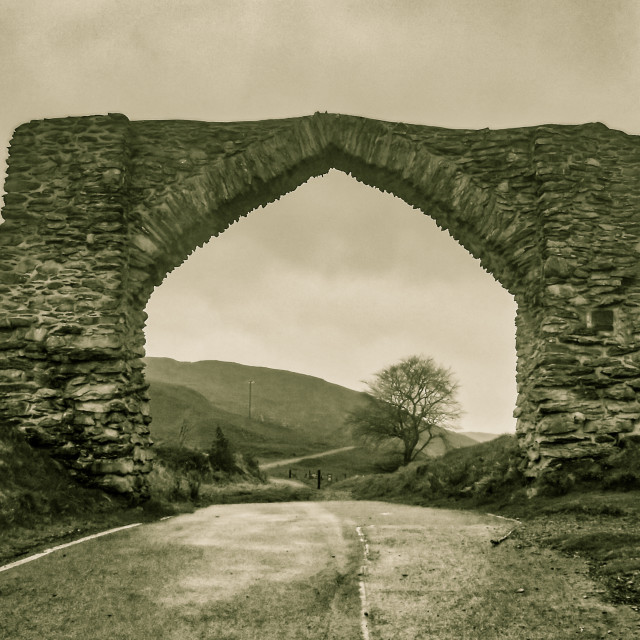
<point>327,570</point>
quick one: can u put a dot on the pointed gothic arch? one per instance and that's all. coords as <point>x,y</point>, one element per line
<point>99,209</point>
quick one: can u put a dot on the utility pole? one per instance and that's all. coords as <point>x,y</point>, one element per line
<point>251,382</point>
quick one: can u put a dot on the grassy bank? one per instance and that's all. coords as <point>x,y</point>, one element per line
<point>588,508</point>
<point>41,504</point>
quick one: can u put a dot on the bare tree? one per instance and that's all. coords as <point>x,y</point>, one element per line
<point>410,401</point>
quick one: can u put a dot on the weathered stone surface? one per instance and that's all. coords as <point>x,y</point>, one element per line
<point>99,209</point>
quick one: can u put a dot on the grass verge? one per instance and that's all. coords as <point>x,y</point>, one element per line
<point>587,508</point>
<point>41,505</point>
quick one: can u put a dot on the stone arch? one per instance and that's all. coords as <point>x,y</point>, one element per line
<point>99,209</point>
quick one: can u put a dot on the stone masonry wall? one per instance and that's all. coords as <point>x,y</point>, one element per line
<point>99,209</point>
<point>579,376</point>
<point>69,378</point>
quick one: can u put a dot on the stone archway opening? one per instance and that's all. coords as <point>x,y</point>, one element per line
<point>99,209</point>
<point>336,280</point>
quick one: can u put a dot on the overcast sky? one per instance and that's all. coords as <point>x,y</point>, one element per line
<point>336,279</point>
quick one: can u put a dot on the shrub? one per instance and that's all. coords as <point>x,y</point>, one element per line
<point>478,474</point>
<point>555,481</point>
<point>182,459</point>
<point>493,472</point>
<point>179,473</point>
<point>221,455</point>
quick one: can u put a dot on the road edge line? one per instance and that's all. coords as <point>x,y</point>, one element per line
<point>46,552</point>
<point>364,623</point>
<point>493,515</point>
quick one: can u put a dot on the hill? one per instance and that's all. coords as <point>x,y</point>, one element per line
<point>173,404</point>
<point>481,436</point>
<point>292,414</point>
<point>304,403</point>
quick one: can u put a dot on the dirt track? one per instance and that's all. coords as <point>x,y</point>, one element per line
<point>282,463</point>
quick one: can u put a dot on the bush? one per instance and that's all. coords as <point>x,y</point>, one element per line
<point>179,473</point>
<point>622,468</point>
<point>478,474</point>
<point>182,459</point>
<point>618,471</point>
<point>37,489</point>
<point>221,455</point>
<point>554,482</point>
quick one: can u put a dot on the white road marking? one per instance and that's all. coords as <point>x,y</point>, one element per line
<point>493,515</point>
<point>364,625</point>
<point>64,546</point>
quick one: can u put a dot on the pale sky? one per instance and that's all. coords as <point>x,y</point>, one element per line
<point>336,279</point>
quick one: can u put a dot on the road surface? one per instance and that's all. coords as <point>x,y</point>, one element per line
<point>317,571</point>
<point>282,463</point>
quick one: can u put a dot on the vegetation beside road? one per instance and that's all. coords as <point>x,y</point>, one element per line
<point>589,508</point>
<point>41,504</point>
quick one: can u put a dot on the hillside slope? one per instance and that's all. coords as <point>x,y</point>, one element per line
<point>292,414</point>
<point>289,399</point>
<point>173,404</point>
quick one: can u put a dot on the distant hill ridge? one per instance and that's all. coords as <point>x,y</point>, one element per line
<point>292,413</point>
<point>290,399</point>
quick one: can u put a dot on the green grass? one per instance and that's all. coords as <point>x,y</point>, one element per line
<point>42,505</point>
<point>171,404</point>
<point>492,473</point>
<point>480,474</point>
<point>601,527</point>
<point>247,493</point>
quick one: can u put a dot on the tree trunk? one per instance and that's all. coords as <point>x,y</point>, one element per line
<point>409,445</point>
